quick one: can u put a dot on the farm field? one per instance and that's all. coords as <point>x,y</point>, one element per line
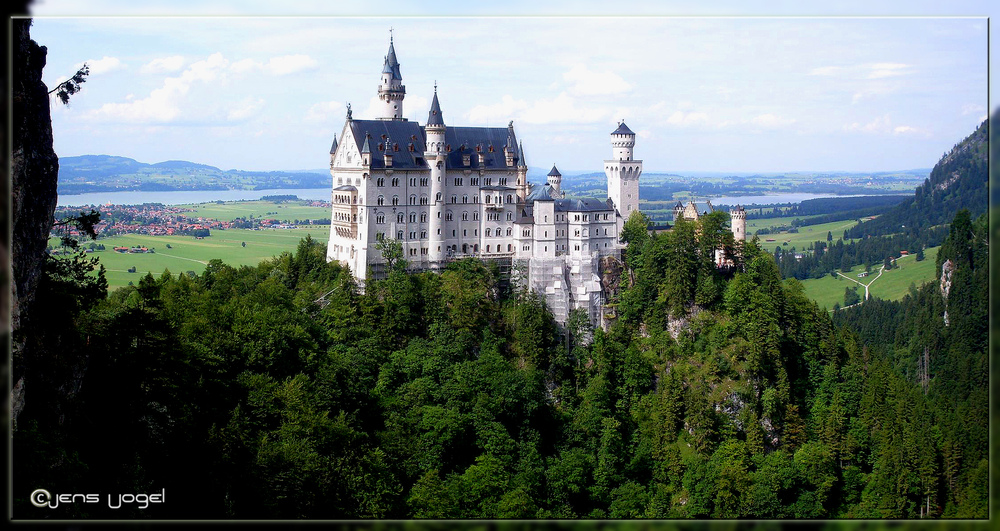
<point>806,235</point>
<point>892,285</point>
<point>231,210</point>
<point>190,254</point>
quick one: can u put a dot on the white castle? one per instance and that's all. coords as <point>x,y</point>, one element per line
<point>447,192</point>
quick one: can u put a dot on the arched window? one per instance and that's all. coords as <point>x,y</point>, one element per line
<point>509,198</point>
<point>399,217</point>
<point>395,200</point>
<point>438,198</point>
<point>465,199</point>
<point>454,199</point>
<point>487,233</point>
<point>510,231</point>
<point>413,199</point>
<point>510,248</point>
<point>413,217</point>
<point>423,217</point>
<point>380,200</point>
<point>487,248</point>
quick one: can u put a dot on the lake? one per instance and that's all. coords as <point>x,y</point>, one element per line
<point>187,197</point>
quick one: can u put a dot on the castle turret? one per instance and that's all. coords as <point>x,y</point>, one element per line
<point>436,157</point>
<point>623,174</point>
<point>555,179</point>
<point>738,222</point>
<point>522,173</point>
<point>333,150</point>
<point>391,90</point>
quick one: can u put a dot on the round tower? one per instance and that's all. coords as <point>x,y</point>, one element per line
<point>436,158</point>
<point>391,90</point>
<point>738,222</point>
<point>622,142</point>
<point>555,179</point>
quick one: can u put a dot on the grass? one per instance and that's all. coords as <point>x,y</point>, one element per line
<point>231,210</point>
<point>190,254</point>
<point>892,285</point>
<point>806,235</point>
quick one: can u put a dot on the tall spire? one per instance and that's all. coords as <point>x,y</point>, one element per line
<point>333,148</point>
<point>520,156</point>
<point>434,117</point>
<point>367,147</point>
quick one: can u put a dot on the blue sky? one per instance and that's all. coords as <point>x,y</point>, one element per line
<point>717,93</point>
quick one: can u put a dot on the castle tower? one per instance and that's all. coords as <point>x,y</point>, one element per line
<point>555,179</point>
<point>738,222</point>
<point>436,156</point>
<point>522,174</point>
<point>333,151</point>
<point>391,90</point>
<point>623,174</point>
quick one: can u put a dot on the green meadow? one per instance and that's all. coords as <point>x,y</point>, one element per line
<point>892,285</point>
<point>806,235</point>
<point>190,254</point>
<point>231,210</point>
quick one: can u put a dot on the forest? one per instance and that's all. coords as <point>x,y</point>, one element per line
<point>285,391</point>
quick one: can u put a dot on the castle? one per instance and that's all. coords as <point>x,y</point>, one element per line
<point>448,192</point>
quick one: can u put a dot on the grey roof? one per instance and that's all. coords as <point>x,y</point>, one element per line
<point>554,172</point>
<point>470,137</point>
<point>540,193</point>
<point>393,132</point>
<point>520,156</point>
<point>587,204</point>
<point>345,188</point>
<point>333,148</point>
<point>434,116</point>
<point>391,62</point>
<point>500,188</point>
<point>367,147</point>
<point>623,130</point>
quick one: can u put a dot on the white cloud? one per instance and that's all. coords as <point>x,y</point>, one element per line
<point>244,109</point>
<point>163,65</point>
<point>506,109</point>
<point>972,108</point>
<point>771,121</point>
<point>290,64</point>
<point>688,119</point>
<point>589,83</point>
<point>276,66</point>
<point>165,104</point>
<point>825,71</point>
<point>324,112</point>
<point>878,125</point>
<point>880,70</point>
<point>104,65</point>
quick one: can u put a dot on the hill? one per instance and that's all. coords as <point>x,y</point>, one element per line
<point>106,173</point>
<point>958,181</point>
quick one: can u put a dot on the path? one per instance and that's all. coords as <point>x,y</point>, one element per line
<point>870,282</point>
<point>182,258</point>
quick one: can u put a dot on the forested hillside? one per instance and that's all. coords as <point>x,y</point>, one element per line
<point>958,181</point>
<point>104,173</point>
<point>282,391</point>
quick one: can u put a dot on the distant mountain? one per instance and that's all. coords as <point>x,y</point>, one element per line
<point>959,180</point>
<point>106,173</point>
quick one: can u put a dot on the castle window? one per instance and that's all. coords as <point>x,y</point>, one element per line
<point>488,181</point>
<point>487,248</point>
<point>454,199</point>
<point>488,233</point>
<point>395,200</point>
<point>509,231</point>
<point>395,181</point>
<point>475,216</point>
<point>399,217</point>
<point>413,235</point>
<point>381,181</point>
<point>448,216</point>
<point>465,233</point>
<point>380,200</point>
<point>510,216</point>
<point>438,197</point>
<point>488,200</point>
<point>380,219</point>
<point>465,216</point>
<point>510,248</point>
<point>423,181</point>
<point>399,235</point>
<point>413,217</point>
<point>413,199</point>
<point>509,197</point>
<point>413,181</point>
<point>458,181</point>
<point>423,217</point>
<point>474,181</point>
<point>465,199</point>
<point>423,234</point>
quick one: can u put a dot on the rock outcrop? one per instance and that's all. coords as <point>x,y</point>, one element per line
<point>34,174</point>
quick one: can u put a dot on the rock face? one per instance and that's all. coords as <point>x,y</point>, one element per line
<point>34,174</point>
<point>947,268</point>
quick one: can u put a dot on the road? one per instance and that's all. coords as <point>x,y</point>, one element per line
<point>870,282</point>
